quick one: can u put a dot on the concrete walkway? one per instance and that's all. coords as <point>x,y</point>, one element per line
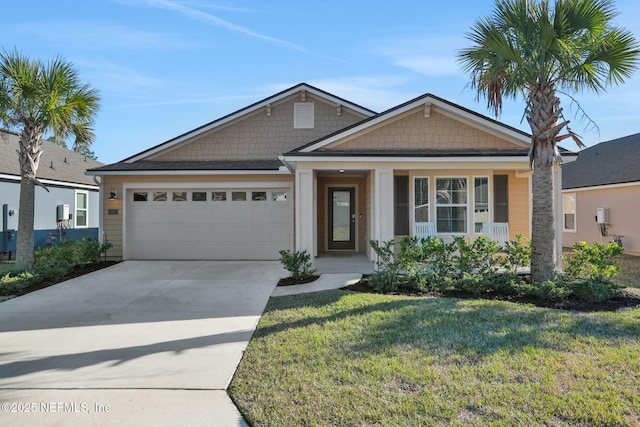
<point>139,343</point>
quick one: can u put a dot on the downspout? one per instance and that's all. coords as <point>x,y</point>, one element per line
<point>5,226</point>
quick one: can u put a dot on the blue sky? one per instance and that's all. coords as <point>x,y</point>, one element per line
<point>164,67</point>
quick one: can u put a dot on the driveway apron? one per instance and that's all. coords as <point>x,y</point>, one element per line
<point>139,343</point>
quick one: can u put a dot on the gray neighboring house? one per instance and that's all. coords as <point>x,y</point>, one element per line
<point>70,210</point>
<point>601,194</point>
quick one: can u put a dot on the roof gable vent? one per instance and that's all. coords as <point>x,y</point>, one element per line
<point>303,115</point>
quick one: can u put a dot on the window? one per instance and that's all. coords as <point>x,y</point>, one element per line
<point>569,210</point>
<point>159,196</point>
<point>303,115</point>
<point>179,196</point>
<point>140,196</point>
<point>239,196</point>
<point>259,196</point>
<point>480,203</point>
<point>219,196</point>
<point>451,205</point>
<point>421,200</point>
<point>199,196</point>
<point>82,209</point>
<point>279,196</point>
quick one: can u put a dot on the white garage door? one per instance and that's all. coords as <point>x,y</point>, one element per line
<point>225,224</point>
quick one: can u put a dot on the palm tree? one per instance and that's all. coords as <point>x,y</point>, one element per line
<point>539,51</point>
<point>38,98</point>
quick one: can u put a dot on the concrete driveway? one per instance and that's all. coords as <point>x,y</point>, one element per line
<point>139,343</point>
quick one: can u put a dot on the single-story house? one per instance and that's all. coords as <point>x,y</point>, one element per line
<point>70,210</point>
<point>601,194</point>
<point>306,170</point>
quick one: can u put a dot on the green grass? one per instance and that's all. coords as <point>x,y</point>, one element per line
<point>629,270</point>
<point>341,358</point>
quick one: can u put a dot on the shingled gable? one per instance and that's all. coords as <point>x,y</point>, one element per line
<point>264,105</point>
<point>334,145</point>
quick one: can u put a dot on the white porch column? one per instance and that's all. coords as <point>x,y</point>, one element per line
<point>383,205</point>
<point>305,211</point>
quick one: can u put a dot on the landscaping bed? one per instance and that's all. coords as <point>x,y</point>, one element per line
<point>625,299</point>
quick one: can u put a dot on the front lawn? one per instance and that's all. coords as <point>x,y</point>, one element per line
<point>347,358</point>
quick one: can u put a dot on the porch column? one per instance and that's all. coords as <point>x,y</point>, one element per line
<point>383,205</point>
<point>305,211</point>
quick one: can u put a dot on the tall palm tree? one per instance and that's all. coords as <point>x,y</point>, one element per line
<point>38,98</point>
<point>538,50</point>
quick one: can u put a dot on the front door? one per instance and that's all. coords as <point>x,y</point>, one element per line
<point>342,218</point>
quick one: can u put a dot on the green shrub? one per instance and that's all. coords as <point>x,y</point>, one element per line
<point>12,283</point>
<point>594,291</point>
<point>476,257</point>
<point>384,281</point>
<point>517,254</point>
<point>593,262</point>
<point>71,252</point>
<point>552,291</point>
<point>386,257</point>
<point>298,263</point>
<point>512,284</point>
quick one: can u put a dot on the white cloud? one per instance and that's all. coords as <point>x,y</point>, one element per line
<point>214,20</point>
<point>94,36</point>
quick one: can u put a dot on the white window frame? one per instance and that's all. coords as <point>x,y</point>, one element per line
<point>574,213</point>
<point>77,209</point>
<point>413,199</point>
<point>473,194</point>
<point>466,205</point>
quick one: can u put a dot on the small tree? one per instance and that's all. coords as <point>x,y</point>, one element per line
<point>38,98</point>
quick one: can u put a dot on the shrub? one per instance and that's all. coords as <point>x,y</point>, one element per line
<point>594,291</point>
<point>12,283</point>
<point>517,254</point>
<point>298,263</point>
<point>476,257</point>
<point>552,291</point>
<point>593,262</point>
<point>384,281</point>
<point>386,256</point>
<point>71,253</point>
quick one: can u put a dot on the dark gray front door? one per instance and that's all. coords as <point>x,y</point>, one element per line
<point>342,218</point>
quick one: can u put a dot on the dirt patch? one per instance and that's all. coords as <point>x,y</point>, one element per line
<point>624,300</point>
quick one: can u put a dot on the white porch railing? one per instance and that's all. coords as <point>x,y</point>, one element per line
<point>498,231</point>
<point>423,230</point>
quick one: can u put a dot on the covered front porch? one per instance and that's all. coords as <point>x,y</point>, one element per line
<point>340,207</point>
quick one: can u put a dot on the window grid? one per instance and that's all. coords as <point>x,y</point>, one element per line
<point>451,204</point>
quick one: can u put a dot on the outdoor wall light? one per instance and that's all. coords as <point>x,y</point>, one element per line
<point>113,195</point>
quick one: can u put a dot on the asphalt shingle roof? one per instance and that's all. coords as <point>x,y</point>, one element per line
<point>57,163</point>
<point>151,165</point>
<point>611,162</point>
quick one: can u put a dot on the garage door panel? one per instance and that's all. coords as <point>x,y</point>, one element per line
<point>251,229</point>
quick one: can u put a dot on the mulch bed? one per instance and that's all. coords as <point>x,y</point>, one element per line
<point>624,300</point>
<point>290,281</point>
<point>76,272</point>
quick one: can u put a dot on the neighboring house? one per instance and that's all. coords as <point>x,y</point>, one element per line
<point>306,170</point>
<point>63,172</point>
<point>605,180</point>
